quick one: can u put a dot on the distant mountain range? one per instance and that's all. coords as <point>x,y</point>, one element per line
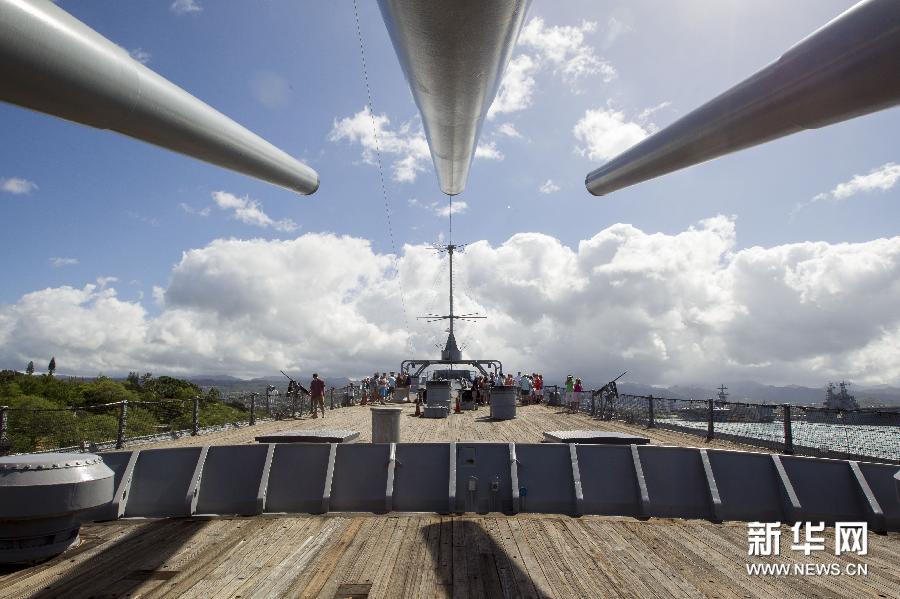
<point>748,391</point>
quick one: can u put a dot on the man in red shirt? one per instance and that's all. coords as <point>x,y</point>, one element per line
<point>317,392</point>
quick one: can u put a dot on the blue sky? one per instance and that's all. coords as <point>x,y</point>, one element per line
<point>290,71</point>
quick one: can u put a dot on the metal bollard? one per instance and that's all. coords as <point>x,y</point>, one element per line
<point>195,418</point>
<point>123,423</point>
<point>651,415</point>
<point>788,431</point>
<point>4,430</point>
<point>710,432</point>
<point>252,409</point>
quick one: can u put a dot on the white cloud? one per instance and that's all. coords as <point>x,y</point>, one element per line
<point>180,7</point>
<point>104,281</point>
<point>548,187</point>
<point>605,133</point>
<point>883,178</point>
<point>140,55</point>
<point>407,144</point>
<point>58,262</point>
<point>445,210</point>
<point>17,186</point>
<point>670,308</point>
<point>560,48</point>
<point>509,130</point>
<point>250,212</point>
<point>271,89</point>
<point>516,87</point>
<point>488,151</point>
<point>439,208</point>
<point>191,210</point>
<point>564,48</point>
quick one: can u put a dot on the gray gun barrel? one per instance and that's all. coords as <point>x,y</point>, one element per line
<point>453,55</point>
<point>53,63</point>
<point>848,68</point>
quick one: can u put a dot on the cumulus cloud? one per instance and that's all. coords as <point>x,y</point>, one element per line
<point>458,207</point>
<point>488,151</point>
<point>559,48</point>
<point>60,261</point>
<point>548,187</point>
<point>140,55</point>
<point>250,212</point>
<point>670,308</point>
<point>407,144</point>
<point>605,133</point>
<point>883,178</point>
<point>516,87</point>
<point>509,130</point>
<point>180,7</point>
<point>564,48</point>
<point>441,209</point>
<point>17,186</point>
<point>271,89</point>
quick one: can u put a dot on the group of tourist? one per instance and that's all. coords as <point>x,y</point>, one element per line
<point>531,386</point>
<point>380,388</point>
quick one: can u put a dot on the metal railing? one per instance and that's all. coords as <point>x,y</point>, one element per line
<point>125,423</point>
<point>792,429</point>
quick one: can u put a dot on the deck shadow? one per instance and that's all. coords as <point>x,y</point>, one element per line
<point>122,565</point>
<point>465,554</point>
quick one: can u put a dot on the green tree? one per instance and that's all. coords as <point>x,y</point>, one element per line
<point>30,368</point>
<point>51,367</point>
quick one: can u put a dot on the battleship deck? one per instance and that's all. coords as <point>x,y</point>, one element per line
<point>415,555</point>
<point>431,555</point>
<point>473,425</point>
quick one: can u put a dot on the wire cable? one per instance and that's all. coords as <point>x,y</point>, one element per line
<point>384,195</point>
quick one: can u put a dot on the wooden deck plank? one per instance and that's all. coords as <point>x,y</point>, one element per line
<point>432,556</point>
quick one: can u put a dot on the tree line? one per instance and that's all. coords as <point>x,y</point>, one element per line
<point>46,412</point>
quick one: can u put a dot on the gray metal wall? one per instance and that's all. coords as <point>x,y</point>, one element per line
<point>631,480</point>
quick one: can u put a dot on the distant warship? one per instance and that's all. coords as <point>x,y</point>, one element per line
<point>842,408</point>
<point>723,411</point>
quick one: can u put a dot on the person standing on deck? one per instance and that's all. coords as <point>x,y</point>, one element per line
<point>578,390</point>
<point>525,387</point>
<point>570,391</point>
<point>383,386</point>
<point>538,388</point>
<point>317,393</point>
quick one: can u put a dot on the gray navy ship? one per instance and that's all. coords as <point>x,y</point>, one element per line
<point>840,407</point>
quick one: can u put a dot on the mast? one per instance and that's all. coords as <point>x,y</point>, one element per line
<point>450,249</point>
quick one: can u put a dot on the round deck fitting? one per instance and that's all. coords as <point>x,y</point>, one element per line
<point>386,424</point>
<point>43,500</point>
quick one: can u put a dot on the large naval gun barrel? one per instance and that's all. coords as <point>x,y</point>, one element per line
<point>847,68</point>
<point>453,55</point>
<point>53,63</point>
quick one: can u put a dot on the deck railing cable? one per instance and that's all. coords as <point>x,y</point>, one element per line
<point>864,434</point>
